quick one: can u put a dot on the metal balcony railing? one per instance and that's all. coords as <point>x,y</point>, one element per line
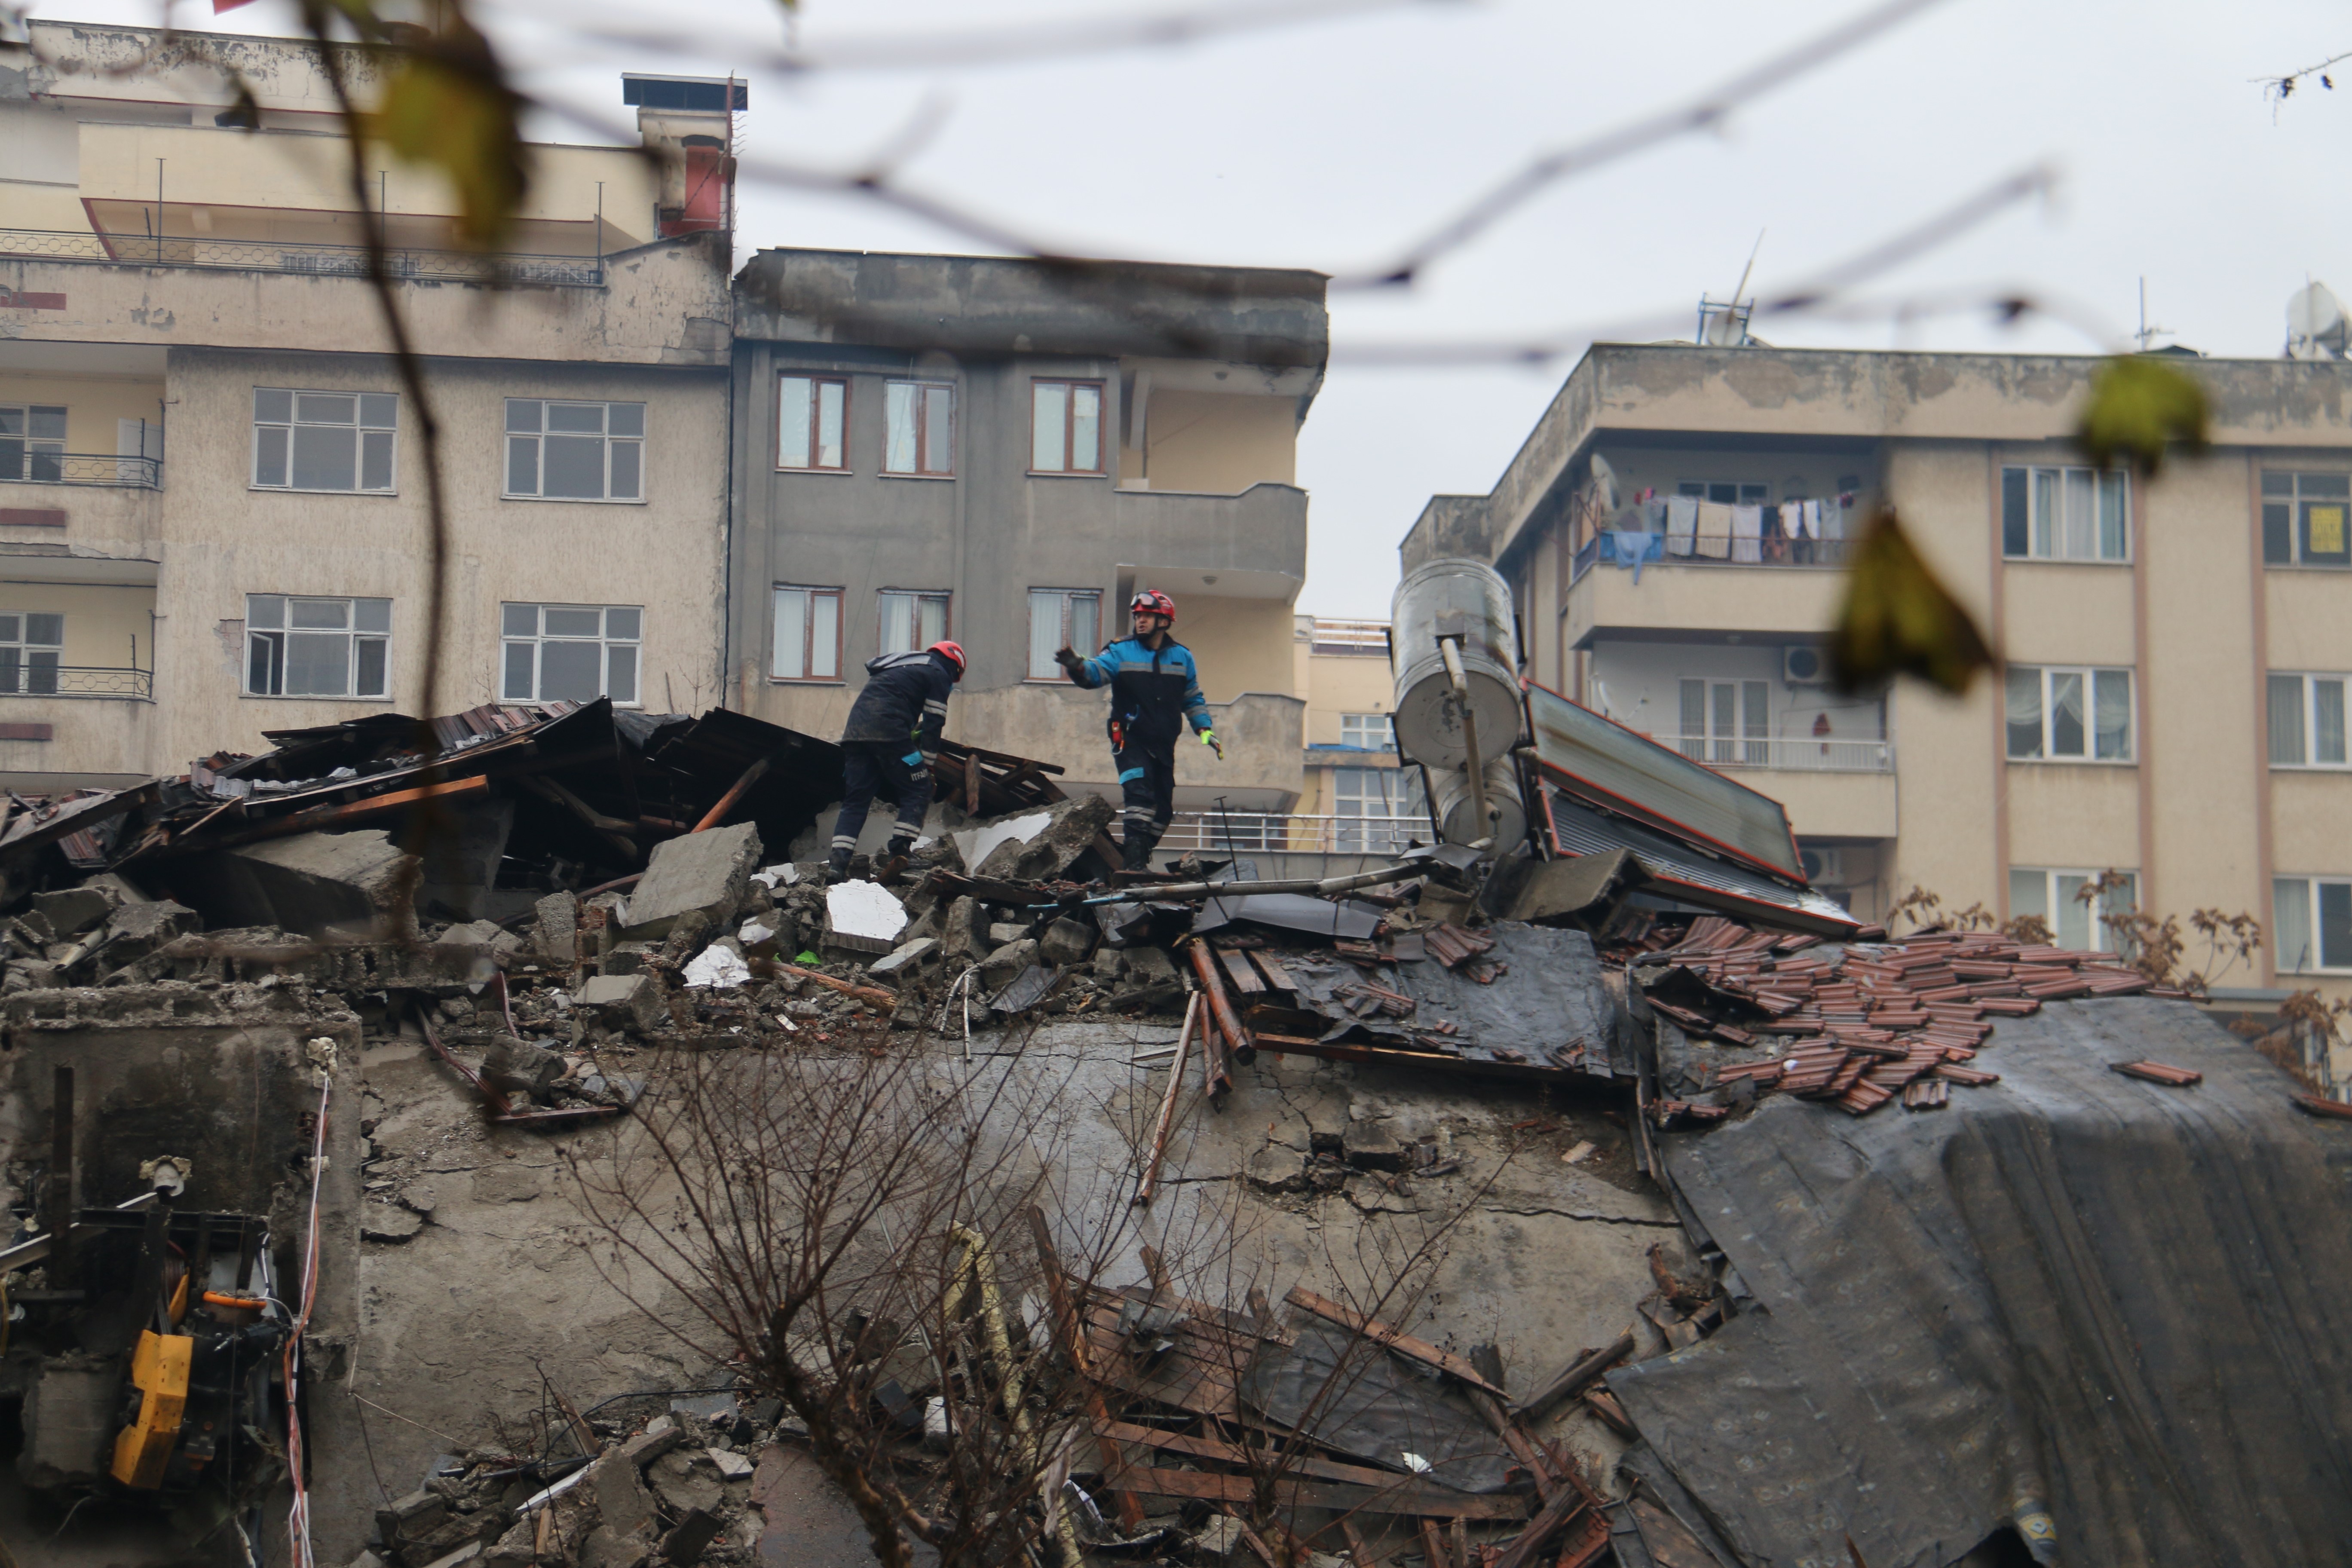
<point>288,256</point>
<point>1798,754</point>
<point>75,680</point>
<point>1253,833</point>
<point>33,466</point>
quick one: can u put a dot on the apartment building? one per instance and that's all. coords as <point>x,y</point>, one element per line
<point>1002,452</point>
<point>213,518</point>
<point>2172,711</point>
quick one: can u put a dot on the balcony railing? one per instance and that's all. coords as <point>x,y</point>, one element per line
<point>1796,754</point>
<point>1254,833</point>
<point>75,680</point>
<point>293,256</point>
<point>36,467</point>
<point>1649,549</point>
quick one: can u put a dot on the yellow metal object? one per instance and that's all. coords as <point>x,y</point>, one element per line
<point>159,1369</point>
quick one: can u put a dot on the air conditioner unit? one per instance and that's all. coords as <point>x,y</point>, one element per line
<point>1822,866</point>
<point>1803,664</point>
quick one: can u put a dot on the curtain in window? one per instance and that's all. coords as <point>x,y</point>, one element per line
<point>2066,732</point>
<point>2024,710</point>
<point>2291,923</point>
<point>2327,720</point>
<point>2286,720</point>
<point>2046,511</point>
<point>791,634</point>
<point>897,623</point>
<point>2111,714</point>
<point>2114,532</point>
<point>2081,516</point>
<point>2071,919</point>
<point>1046,635</point>
<point>899,427</point>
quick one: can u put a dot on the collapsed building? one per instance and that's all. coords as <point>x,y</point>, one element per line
<point>1732,1230</point>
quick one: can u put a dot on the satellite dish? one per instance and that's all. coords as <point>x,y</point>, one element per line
<point>1605,485</point>
<point>2316,326</point>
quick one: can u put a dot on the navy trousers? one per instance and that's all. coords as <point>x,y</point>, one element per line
<point>880,767</point>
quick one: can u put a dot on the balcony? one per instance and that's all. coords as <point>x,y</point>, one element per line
<point>1644,551</point>
<point>1791,754</point>
<point>38,466</point>
<point>1261,833</point>
<point>300,256</point>
<point>1790,599</point>
<point>119,684</point>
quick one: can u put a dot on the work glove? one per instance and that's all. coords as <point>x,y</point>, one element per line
<point>1069,660</point>
<point>1209,739</point>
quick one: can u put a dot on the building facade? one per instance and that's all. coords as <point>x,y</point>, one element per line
<point>2171,718</point>
<point>1002,452</point>
<point>213,515</point>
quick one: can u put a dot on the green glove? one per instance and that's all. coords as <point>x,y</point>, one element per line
<point>1209,739</point>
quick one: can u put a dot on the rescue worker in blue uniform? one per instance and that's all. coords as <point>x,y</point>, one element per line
<point>892,735</point>
<point>1155,691</point>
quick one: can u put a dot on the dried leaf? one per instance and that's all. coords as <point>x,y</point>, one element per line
<point>2138,407</point>
<point>1898,619</point>
<point>448,105</point>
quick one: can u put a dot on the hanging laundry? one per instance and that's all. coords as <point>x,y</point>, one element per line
<point>1631,548</point>
<point>1714,531</point>
<point>1682,525</point>
<point>1747,533</point>
<point>1813,519</point>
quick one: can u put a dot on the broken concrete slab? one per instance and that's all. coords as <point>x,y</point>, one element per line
<point>625,1001</point>
<point>1067,942</point>
<point>693,1535</point>
<point>555,928</point>
<point>389,1222</point>
<point>1368,1146</point>
<point>963,936</point>
<point>317,884</point>
<point>999,968</point>
<point>622,1500</point>
<point>863,916</point>
<point>73,911</point>
<point>706,873</point>
<point>902,962</point>
<point>506,1184</point>
<point>1037,851</point>
<point>606,1548</point>
<point>71,1412</point>
<point>519,1067</point>
<point>685,1481</point>
<point>134,930</point>
<point>1275,1169</point>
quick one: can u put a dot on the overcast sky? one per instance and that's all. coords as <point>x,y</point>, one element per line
<point>1332,143</point>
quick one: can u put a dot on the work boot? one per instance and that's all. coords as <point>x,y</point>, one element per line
<point>836,865</point>
<point>1135,850</point>
<point>894,858</point>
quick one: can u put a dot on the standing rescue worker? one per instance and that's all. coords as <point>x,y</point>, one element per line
<point>892,736</point>
<point>1155,690</point>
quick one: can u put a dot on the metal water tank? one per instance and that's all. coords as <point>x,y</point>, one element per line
<point>1451,803</point>
<point>1467,601</point>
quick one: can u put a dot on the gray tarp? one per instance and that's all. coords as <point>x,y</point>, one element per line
<point>2114,1315</point>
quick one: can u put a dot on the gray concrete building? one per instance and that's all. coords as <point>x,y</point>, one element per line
<point>1001,452</point>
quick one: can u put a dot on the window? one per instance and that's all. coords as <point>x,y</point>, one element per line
<point>1065,431</point>
<point>323,440</point>
<point>1360,796</point>
<point>918,428</point>
<point>2304,519</point>
<point>808,633</point>
<point>31,648</point>
<point>2069,715</point>
<point>575,451</point>
<point>32,442</point>
<point>812,412</point>
<point>580,652</point>
<point>912,620</point>
<point>1371,732</point>
<point>1060,618</point>
<point>2311,923</point>
<point>1730,492</point>
<point>2065,514</point>
<point>2060,898</point>
<point>317,647</point>
<point>1727,721</point>
<point>2306,714</point>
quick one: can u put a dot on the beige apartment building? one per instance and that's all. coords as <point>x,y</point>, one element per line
<point>213,518</point>
<point>2173,707</point>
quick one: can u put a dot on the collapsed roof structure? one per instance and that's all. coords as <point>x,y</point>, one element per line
<point>1928,1248</point>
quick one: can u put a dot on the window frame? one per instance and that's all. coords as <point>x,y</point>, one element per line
<point>360,431</point>
<point>1351,830</point>
<point>539,636</point>
<point>1054,674</point>
<point>1387,722</point>
<point>2089,674</point>
<point>921,403</point>
<point>2026,491</point>
<point>2314,930</point>
<point>2294,506</point>
<point>1071,384</point>
<point>611,441</point>
<point>20,674</point>
<point>1745,744</point>
<point>817,381</point>
<point>1744,492</point>
<point>815,593</point>
<point>2310,680</point>
<point>354,634</point>
<point>37,447</point>
<point>2103,937</point>
<point>946,600</point>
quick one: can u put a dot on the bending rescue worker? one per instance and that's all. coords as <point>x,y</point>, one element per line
<point>892,735</point>
<point>1155,690</point>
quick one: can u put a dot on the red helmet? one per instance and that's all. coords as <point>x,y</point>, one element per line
<point>1153,600</point>
<point>952,652</point>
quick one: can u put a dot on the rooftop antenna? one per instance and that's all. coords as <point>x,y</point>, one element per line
<point>1726,326</point>
<point>2145,331</point>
